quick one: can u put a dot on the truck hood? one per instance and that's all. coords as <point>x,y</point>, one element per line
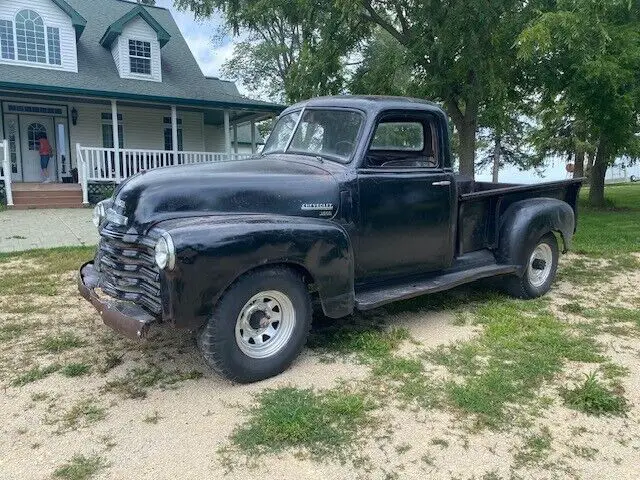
<point>274,184</point>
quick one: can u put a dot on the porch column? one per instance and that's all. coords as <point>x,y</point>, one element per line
<point>253,136</point>
<point>227,135</point>
<point>116,138</point>
<point>174,133</point>
<point>235,138</point>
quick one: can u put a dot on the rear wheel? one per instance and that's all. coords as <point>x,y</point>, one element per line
<point>540,272</point>
<point>259,326</point>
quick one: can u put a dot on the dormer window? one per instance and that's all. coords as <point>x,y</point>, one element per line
<point>140,57</point>
<point>30,41</point>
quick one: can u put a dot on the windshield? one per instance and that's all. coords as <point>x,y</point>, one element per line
<point>326,133</point>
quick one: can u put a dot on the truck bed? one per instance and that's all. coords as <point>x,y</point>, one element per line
<point>481,204</point>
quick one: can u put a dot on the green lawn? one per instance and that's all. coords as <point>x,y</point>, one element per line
<point>613,230</point>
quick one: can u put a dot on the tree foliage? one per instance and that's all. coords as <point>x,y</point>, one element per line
<point>587,55</point>
<point>292,49</point>
<point>459,49</point>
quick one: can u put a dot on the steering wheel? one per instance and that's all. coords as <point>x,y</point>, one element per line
<point>349,145</point>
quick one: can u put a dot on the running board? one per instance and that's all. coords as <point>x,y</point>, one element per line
<point>381,295</point>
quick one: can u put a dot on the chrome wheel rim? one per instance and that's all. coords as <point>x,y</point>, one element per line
<point>540,264</point>
<point>265,324</point>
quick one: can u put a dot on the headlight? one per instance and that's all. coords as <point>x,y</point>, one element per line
<point>165,252</point>
<point>98,214</point>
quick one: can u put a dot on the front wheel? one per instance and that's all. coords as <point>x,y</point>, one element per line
<point>540,272</point>
<point>259,326</point>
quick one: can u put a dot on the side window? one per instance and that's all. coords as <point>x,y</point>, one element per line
<point>402,136</point>
<point>403,143</point>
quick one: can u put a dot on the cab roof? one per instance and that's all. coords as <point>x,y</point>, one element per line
<point>368,103</point>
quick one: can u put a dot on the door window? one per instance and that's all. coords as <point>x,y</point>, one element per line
<point>34,131</point>
<point>405,136</point>
<point>400,142</point>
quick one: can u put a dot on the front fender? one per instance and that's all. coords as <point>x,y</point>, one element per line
<point>212,252</point>
<point>526,221</point>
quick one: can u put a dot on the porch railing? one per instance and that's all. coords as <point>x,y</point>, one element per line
<point>102,165</point>
<point>5,174</point>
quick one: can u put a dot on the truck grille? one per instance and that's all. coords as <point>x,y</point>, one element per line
<point>128,269</point>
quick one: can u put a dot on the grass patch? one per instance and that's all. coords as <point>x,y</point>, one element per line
<point>407,380</point>
<point>535,449</point>
<point>111,361</point>
<point>34,374</point>
<point>521,347</point>
<point>588,453</point>
<point>61,342</point>
<point>75,369</point>
<point>43,280</point>
<point>594,398</point>
<point>136,382</point>
<point>84,412</point>
<point>612,230</point>
<point>368,339</point>
<point>80,467</point>
<point>12,330</point>
<point>323,423</point>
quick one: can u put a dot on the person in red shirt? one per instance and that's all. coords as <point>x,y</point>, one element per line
<point>44,148</point>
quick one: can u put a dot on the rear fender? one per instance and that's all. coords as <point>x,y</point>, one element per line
<point>212,252</point>
<point>526,221</point>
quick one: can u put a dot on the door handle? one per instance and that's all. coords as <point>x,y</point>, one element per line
<point>443,183</point>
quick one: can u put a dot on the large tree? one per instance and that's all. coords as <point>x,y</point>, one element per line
<point>290,49</point>
<point>587,54</point>
<point>460,50</point>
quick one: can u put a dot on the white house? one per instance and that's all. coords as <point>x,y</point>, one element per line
<point>116,89</point>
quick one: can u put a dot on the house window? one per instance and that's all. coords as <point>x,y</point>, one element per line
<point>140,57</point>
<point>30,37</point>
<point>35,131</point>
<point>53,37</point>
<point>107,131</point>
<point>168,134</point>
<point>6,39</point>
<point>30,44</point>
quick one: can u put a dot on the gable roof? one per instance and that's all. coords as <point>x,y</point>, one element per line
<point>183,83</point>
<point>77,20</point>
<point>116,28</point>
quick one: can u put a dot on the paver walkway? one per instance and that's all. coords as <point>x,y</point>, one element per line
<point>28,229</point>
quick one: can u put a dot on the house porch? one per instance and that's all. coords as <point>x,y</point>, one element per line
<point>90,148</point>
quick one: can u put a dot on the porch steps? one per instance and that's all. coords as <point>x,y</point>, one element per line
<point>46,195</point>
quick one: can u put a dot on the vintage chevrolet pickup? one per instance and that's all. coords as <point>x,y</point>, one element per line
<point>353,201</point>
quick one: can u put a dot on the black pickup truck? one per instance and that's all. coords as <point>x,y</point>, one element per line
<point>353,200</point>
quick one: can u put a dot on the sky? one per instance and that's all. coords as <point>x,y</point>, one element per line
<point>211,55</point>
<point>199,35</point>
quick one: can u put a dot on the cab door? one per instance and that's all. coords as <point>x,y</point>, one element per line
<point>406,201</point>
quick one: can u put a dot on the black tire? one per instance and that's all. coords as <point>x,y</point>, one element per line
<point>217,340</point>
<point>526,286</point>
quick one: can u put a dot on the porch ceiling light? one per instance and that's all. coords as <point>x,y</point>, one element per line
<point>74,116</point>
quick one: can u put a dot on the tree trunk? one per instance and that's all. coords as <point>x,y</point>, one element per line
<point>598,172</point>
<point>466,124</point>
<point>467,133</point>
<point>589,166</point>
<point>496,158</point>
<point>578,171</point>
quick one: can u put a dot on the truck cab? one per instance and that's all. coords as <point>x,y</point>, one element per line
<point>353,200</point>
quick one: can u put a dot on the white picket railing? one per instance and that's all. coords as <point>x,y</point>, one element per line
<point>100,165</point>
<point>5,174</point>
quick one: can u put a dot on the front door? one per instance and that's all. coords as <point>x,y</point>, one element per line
<point>407,202</point>
<point>31,127</point>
